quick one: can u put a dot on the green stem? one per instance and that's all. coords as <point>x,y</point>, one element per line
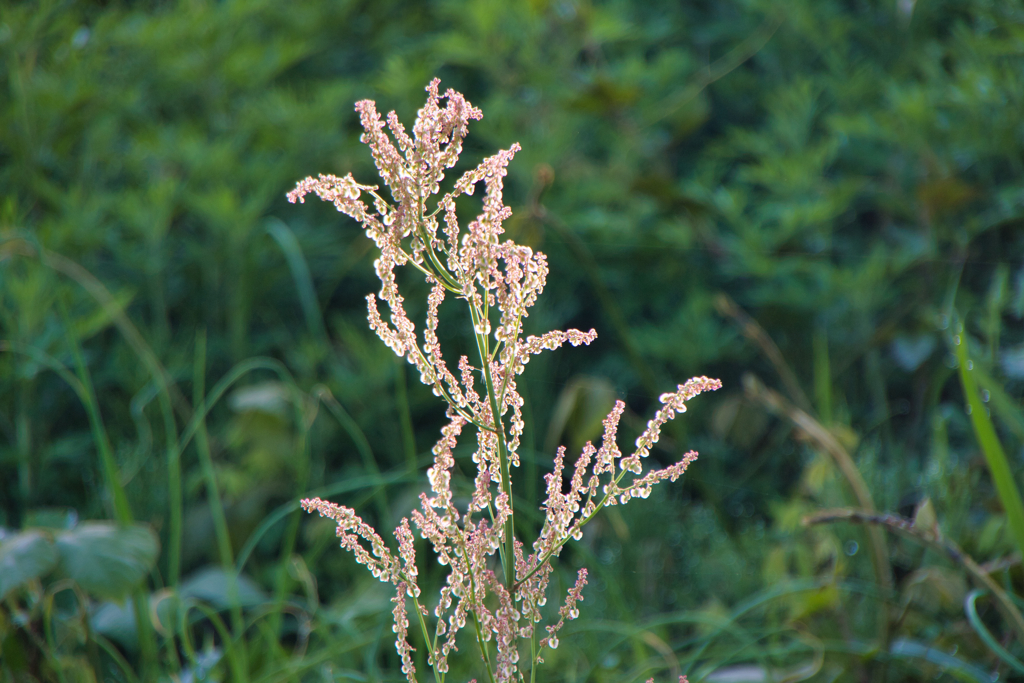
<point>173,489</point>
<point>122,510</point>
<point>508,546</point>
<point>347,423</point>
<point>23,438</point>
<point>533,653</point>
<point>485,653</point>
<point>220,523</point>
<point>441,269</point>
<point>580,523</point>
<point>995,456</point>
<point>292,531</point>
<point>426,639</point>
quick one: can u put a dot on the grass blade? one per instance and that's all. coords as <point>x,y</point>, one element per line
<point>995,457</point>
<point>285,239</point>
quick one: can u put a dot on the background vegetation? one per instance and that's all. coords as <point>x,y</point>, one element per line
<point>819,201</point>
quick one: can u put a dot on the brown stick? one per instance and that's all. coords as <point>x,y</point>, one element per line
<point>934,540</point>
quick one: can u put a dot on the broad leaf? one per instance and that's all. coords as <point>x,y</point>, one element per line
<point>106,559</point>
<point>24,557</point>
<point>212,585</point>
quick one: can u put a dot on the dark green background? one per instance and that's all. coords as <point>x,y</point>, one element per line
<point>849,173</point>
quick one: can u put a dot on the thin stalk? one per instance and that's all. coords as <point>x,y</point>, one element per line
<point>51,644</point>
<point>23,438</point>
<point>170,395</point>
<point>971,608</point>
<point>220,523</point>
<point>229,643</point>
<point>485,652</point>
<point>442,271</point>
<point>580,523</point>
<point>508,554</point>
<point>122,510</point>
<point>174,492</point>
<point>844,462</point>
<point>102,295</point>
<point>753,331</point>
<point>995,456</point>
<point>117,657</point>
<point>323,394</point>
<point>934,540</point>
<point>426,639</point>
<point>533,653</point>
<point>292,531</point>
<point>225,383</point>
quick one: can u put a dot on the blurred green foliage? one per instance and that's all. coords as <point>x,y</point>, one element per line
<point>848,173</point>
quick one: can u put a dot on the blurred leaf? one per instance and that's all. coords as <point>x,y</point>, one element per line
<point>107,560</point>
<point>911,351</point>
<point>818,473</point>
<point>88,326</point>
<point>1012,362</point>
<point>578,415</point>
<point>116,620</point>
<point>936,588</point>
<point>945,195</point>
<point>211,586</point>
<point>23,557</point>
<point>925,518</point>
<point>267,397</point>
<point>962,670</point>
<point>995,457</point>
<point>53,518</point>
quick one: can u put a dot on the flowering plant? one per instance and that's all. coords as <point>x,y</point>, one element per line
<point>499,281</point>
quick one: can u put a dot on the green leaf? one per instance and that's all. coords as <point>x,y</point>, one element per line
<point>904,648</point>
<point>212,585</point>
<point>106,559</point>
<point>985,432</point>
<point>24,557</point>
<point>926,519</point>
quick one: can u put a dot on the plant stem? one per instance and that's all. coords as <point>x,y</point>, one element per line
<point>995,456</point>
<point>426,640</point>
<point>484,653</point>
<point>213,498</point>
<point>508,553</point>
<point>122,509</point>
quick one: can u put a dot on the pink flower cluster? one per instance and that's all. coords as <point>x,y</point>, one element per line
<point>499,281</point>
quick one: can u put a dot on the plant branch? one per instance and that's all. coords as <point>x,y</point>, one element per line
<point>934,540</point>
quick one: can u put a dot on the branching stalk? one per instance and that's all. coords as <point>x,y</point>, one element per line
<point>485,272</point>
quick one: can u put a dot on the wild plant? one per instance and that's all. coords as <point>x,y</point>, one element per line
<point>498,281</point>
